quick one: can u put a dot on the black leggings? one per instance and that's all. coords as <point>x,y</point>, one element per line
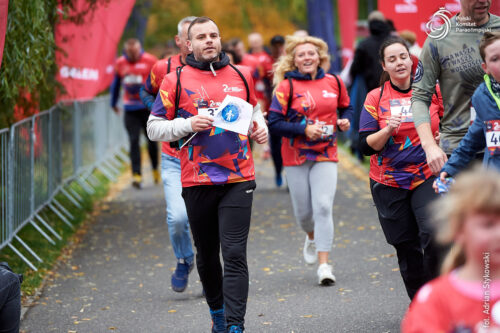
<point>275,145</point>
<point>219,216</point>
<point>10,301</point>
<point>404,218</point>
<point>134,122</point>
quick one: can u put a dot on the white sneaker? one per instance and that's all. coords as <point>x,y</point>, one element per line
<point>310,255</point>
<point>325,275</point>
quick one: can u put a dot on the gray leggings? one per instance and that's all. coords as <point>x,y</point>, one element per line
<point>312,189</point>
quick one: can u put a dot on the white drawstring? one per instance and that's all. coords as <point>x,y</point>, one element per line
<point>212,69</point>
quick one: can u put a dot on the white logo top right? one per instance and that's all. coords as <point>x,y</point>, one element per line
<point>439,24</point>
<point>434,27</point>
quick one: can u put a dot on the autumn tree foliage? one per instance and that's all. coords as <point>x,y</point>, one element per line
<point>235,18</point>
<point>27,74</point>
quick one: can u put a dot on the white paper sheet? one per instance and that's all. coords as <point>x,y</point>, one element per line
<point>234,114</point>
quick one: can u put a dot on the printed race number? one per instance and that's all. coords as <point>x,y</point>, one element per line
<point>403,107</point>
<point>493,136</point>
<point>212,112</point>
<point>327,132</point>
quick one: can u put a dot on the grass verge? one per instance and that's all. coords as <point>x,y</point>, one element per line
<point>51,254</point>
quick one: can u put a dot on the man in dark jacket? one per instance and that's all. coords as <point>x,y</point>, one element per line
<point>366,62</point>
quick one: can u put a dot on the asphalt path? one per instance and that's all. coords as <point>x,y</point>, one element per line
<point>116,278</point>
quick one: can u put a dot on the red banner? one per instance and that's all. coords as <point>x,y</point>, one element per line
<point>495,7</point>
<point>415,14</point>
<point>4,9</point>
<point>347,23</point>
<point>89,49</point>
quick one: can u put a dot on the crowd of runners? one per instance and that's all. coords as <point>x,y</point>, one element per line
<point>427,115</point>
<point>424,120</point>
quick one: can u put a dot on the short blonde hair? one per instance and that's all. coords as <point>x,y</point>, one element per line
<point>475,191</point>
<point>286,63</point>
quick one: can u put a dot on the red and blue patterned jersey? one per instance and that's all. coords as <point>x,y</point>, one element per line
<point>214,156</point>
<point>159,70</point>
<point>152,86</point>
<point>402,163</point>
<point>314,101</point>
<point>133,75</point>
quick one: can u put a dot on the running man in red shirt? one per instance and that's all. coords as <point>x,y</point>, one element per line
<point>132,69</point>
<point>218,174</point>
<point>177,219</point>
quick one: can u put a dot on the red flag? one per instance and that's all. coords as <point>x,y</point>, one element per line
<point>347,22</point>
<point>4,9</point>
<point>414,15</point>
<point>89,49</point>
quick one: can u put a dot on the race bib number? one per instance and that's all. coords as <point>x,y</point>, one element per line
<point>493,136</point>
<point>403,107</point>
<point>327,132</point>
<point>132,79</point>
<point>212,112</point>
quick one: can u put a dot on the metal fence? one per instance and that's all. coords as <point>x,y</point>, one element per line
<point>42,156</point>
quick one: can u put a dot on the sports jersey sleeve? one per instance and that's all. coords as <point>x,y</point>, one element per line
<point>164,105</point>
<point>424,83</point>
<point>161,124</point>
<point>370,123</point>
<point>345,108</point>
<point>279,103</point>
<point>147,98</point>
<point>115,89</point>
<point>368,119</point>
<point>278,125</point>
<point>155,78</point>
<point>147,85</point>
<point>472,143</point>
<point>344,100</point>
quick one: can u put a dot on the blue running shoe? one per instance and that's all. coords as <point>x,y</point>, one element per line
<point>180,277</point>
<point>218,321</point>
<point>279,181</point>
<point>235,329</point>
